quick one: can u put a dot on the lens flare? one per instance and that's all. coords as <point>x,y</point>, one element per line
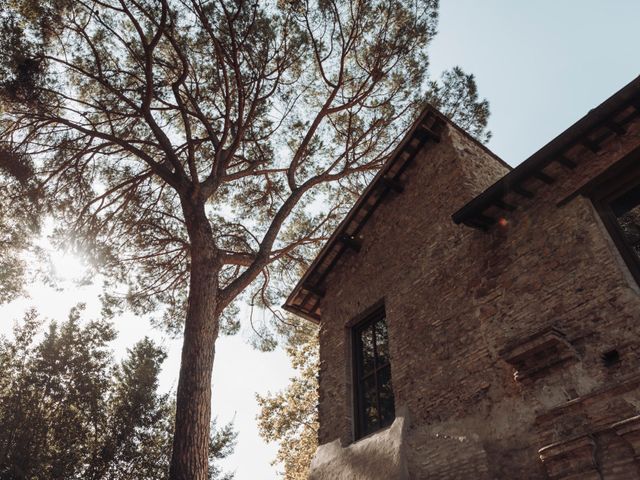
<point>67,267</point>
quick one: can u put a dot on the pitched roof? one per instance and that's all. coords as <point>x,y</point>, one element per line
<point>305,298</point>
<point>609,118</point>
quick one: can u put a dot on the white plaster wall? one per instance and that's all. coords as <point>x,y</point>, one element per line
<point>379,456</point>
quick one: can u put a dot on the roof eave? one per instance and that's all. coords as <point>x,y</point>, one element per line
<point>579,132</point>
<point>301,313</point>
<point>290,304</point>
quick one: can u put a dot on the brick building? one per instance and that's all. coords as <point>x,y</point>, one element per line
<point>479,321</point>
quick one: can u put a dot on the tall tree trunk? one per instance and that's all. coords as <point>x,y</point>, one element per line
<point>193,406</point>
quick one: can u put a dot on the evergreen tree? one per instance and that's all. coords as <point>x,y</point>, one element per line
<point>185,145</point>
<point>19,220</point>
<point>456,95</point>
<point>290,417</point>
<point>67,412</point>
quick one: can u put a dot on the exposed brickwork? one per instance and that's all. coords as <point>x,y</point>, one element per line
<point>456,298</point>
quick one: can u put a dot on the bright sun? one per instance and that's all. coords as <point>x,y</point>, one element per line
<point>67,267</point>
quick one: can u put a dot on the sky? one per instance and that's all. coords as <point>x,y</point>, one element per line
<point>542,65</point>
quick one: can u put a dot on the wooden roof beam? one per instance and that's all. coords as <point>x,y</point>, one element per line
<point>616,128</point>
<point>425,133</point>
<point>351,242</point>
<point>392,183</point>
<point>590,144</point>
<point>544,177</point>
<point>315,290</point>
<point>523,192</point>
<point>504,205</point>
<point>566,162</point>
<point>410,149</point>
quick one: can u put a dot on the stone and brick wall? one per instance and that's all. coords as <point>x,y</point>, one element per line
<point>468,310</point>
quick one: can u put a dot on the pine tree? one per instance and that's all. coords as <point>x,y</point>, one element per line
<point>290,417</point>
<point>68,412</point>
<point>184,145</point>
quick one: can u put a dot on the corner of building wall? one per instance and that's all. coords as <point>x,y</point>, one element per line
<point>479,168</point>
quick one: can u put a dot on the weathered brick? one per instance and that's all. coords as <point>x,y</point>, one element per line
<point>456,298</point>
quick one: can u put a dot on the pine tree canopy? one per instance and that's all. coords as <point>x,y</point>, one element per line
<point>68,411</point>
<point>197,152</point>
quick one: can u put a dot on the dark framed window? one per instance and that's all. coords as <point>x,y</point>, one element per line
<point>374,405</point>
<point>618,202</point>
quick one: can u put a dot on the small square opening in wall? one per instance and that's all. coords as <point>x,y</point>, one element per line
<point>611,358</point>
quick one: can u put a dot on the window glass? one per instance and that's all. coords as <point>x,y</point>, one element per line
<point>371,416</point>
<point>382,342</point>
<point>368,350</point>
<point>387,413</point>
<point>374,394</point>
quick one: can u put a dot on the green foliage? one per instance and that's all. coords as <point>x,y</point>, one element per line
<point>19,221</point>
<point>456,95</point>
<point>290,417</point>
<point>67,412</point>
<point>139,113</point>
<point>231,134</point>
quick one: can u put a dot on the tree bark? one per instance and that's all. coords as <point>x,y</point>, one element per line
<point>190,455</point>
